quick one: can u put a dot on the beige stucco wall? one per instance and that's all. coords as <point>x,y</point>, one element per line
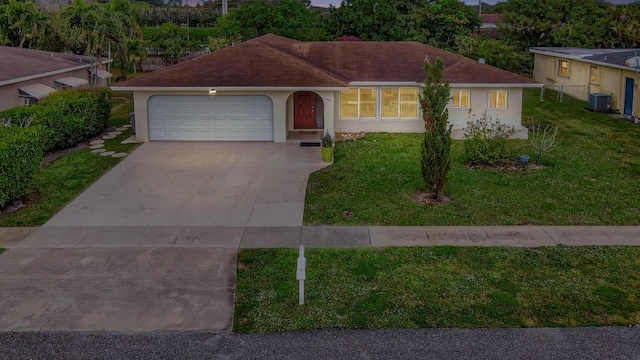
<point>281,117</point>
<point>577,84</point>
<point>479,102</point>
<point>9,94</point>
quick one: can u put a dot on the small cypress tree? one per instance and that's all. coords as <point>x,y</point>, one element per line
<point>436,144</point>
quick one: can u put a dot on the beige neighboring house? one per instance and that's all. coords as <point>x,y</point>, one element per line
<point>273,89</point>
<point>579,72</point>
<point>27,76</point>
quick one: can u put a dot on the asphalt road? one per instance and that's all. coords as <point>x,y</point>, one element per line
<point>566,343</point>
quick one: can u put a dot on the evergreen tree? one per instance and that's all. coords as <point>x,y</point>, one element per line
<point>436,144</point>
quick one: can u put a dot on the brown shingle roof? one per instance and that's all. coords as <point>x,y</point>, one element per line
<point>275,61</point>
<point>16,63</point>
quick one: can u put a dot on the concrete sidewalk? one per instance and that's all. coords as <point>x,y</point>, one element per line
<point>230,237</point>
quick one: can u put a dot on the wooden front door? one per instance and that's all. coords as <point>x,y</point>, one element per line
<point>304,110</point>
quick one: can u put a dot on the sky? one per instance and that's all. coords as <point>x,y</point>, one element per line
<point>325,3</point>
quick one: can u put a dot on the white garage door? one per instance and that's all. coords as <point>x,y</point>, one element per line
<point>212,117</point>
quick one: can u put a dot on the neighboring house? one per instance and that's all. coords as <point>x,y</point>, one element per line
<point>27,76</point>
<point>579,72</point>
<point>272,87</point>
<point>489,25</point>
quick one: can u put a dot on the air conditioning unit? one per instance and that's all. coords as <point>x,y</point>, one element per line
<point>600,102</point>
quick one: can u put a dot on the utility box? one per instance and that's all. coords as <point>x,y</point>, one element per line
<point>600,102</point>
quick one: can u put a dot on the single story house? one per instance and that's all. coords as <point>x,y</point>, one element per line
<point>27,76</point>
<point>272,88</point>
<point>579,72</point>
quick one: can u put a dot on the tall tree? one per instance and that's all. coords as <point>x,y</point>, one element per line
<point>369,20</point>
<point>624,29</point>
<point>436,144</point>
<point>20,22</point>
<point>440,22</point>
<point>580,23</point>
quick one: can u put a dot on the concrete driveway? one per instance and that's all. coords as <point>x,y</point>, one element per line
<point>199,184</point>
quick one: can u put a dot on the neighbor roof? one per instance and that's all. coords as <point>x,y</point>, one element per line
<point>611,57</point>
<point>275,61</point>
<point>18,64</point>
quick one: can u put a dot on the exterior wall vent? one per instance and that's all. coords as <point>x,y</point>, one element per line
<point>600,102</point>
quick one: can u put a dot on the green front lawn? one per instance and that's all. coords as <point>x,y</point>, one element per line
<point>71,174</point>
<point>439,287</point>
<point>593,178</point>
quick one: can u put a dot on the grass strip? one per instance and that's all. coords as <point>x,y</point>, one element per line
<point>423,287</point>
<point>71,174</point>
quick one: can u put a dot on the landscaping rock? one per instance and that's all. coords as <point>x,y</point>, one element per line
<point>122,129</point>
<point>126,125</point>
<point>116,133</point>
<point>98,151</point>
<point>109,137</point>
<point>119,155</point>
<point>107,153</point>
<point>96,146</point>
<point>96,142</point>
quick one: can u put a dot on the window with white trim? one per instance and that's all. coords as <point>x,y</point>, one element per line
<point>368,102</point>
<point>593,74</point>
<point>497,99</point>
<point>563,67</point>
<point>460,99</point>
<point>379,102</point>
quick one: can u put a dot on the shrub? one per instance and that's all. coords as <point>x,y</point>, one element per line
<point>90,107</point>
<point>20,157</point>
<point>485,140</point>
<point>542,140</point>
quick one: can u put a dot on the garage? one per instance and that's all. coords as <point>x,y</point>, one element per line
<point>210,118</point>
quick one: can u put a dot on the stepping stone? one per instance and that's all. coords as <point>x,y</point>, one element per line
<point>109,137</point>
<point>96,146</point>
<point>98,151</point>
<point>119,155</point>
<point>107,153</point>
<point>126,125</point>
<point>122,129</point>
<point>96,142</point>
<point>116,133</point>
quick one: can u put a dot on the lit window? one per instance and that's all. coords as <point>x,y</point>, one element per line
<point>368,103</point>
<point>460,99</point>
<point>408,103</point>
<point>563,68</point>
<point>389,103</point>
<point>394,103</point>
<point>497,99</point>
<point>349,104</point>
<point>593,73</point>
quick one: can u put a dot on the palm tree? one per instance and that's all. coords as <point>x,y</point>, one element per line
<point>20,21</point>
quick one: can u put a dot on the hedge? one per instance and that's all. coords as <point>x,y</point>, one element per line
<point>197,36</point>
<point>61,120</point>
<point>90,107</point>
<point>67,117</point>
<point>20,157</point>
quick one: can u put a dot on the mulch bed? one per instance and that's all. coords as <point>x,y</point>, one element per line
<point>506,165</point>
<point>424,197</point>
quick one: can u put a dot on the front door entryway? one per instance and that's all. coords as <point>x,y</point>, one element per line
<point>628,97</point>
<point>304,110</point>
